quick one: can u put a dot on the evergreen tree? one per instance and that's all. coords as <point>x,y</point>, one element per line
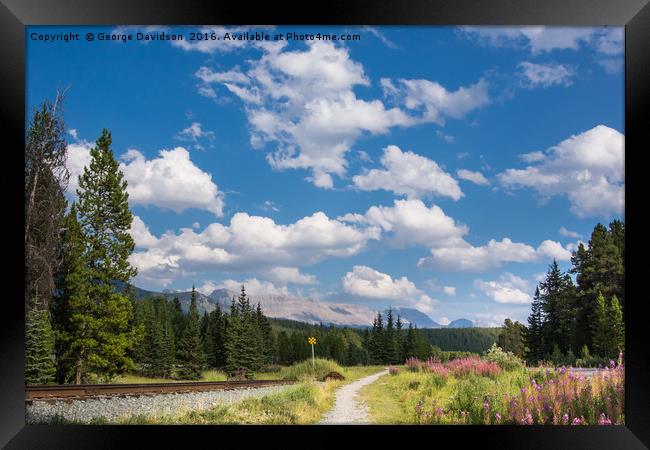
<point>268,341</point>
<point>105,221</point>
<point>243,344</point>
<point>400,340</point>
<point>219,330</point>
<point>409,343</point>
<point>557,300</point>
<point>534,335</point>
<point>190,354</point>
<point>207,337</point>
<point>600,327</point>
<point>617,326</point>
<point>46,178</point>
<point>390,340</point>
<point>39,348</point>
<point>511,338</point>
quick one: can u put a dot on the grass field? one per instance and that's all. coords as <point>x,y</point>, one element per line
<point>439,394</point>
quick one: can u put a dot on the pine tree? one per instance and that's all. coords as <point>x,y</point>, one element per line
<point>534,335</point>
<point>600,327</point>
<point>617,326</point>
<point>219,333</point>
<point>400,340</point>
<point>39,348</point>
<point>266,334</point>
<point>409,343</point>
<point>243,344</point>
<point>207,337</point>
<point>46,178</point>
<point>390,339</point>
<point>190,354</point>
<point>557,300</point>
<point>105,220</point>
<point>72,310</point>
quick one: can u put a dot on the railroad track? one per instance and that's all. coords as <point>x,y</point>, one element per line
<point>84,391</point>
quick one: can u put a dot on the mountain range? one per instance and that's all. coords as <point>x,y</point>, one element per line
<point>301,309</point>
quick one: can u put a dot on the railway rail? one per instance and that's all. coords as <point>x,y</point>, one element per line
<point>85,391</point>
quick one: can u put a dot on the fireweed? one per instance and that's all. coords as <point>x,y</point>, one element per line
<point>552,396</point>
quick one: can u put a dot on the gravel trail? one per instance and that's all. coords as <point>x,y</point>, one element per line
<point>347,410</point>
<point>114,408</point>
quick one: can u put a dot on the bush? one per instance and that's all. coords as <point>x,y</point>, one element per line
<point>303,371</point>
<point>505,360</point>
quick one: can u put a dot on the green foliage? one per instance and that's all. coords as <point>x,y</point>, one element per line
<point>476,340</point>
<point>569,316</point>
<point>155,352</point>
<point>95,333</point>
<point>190,355</point>
<point>244,342</point>
<point>505,360</point>
<point>39,348</point>
<point>304,371</point>
<point>511,338</point>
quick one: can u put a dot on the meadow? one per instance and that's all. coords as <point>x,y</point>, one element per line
<point>495,390</point>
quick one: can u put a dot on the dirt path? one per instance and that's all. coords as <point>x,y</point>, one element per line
<point>346,409</point>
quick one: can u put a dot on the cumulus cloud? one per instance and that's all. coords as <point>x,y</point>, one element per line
<point>449,290</point>
<point>195,133</point>
<point>366,282</point>
<point>465,257</point>
<point>474,177</point>
<point>171,181</point>
<point>532,156</point>
<point>406,173</point>
<point>284,275</point>
<point>301,106</point>
<point>433,100</point>
<point>541,39</point>
<point>508,288</point>
<point>249,243</point>
<point>411,222</point>
<point>544,75</point>
<point>569,233</point>
<point>588,168</point>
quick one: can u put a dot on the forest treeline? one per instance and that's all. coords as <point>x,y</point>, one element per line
<point>579,322</point>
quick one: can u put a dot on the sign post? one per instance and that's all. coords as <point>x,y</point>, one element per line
<point>312,341</point>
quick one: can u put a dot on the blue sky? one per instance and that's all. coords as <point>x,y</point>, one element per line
<point>440,168</point>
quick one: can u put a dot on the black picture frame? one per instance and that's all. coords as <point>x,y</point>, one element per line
<point>634,15</point>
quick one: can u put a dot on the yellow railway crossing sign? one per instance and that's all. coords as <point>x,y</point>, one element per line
<point>312,340</point>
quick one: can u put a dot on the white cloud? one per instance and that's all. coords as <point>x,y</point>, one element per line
<point>73,132</point>
<point>409,174</point>
<point>569,233</point>
<point>379,35</point>
<point>366,282</point>
<point>445,137</point>
<point>196,225</point>
<point>532,156</point>
<point>444,321</point>
<point>464,257</point>
<point>588,168</point>
<point>410,222</point>
<point>538,39</point>
<point>253,287</point>
<point>508,289</point>
<point>449,290</point>
<point>284,275</point>
<point>434,101</point>
<point>545,75</point>
<point>474,177</point>
<point>302,104</point>
<point>194,133</point>
<point>170,181</point>
<point>249,243</point>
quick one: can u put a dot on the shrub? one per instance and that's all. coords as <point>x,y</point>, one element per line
<point>505,360</point>
<point>303,371</point>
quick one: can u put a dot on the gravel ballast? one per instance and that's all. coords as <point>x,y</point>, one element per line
<point>112,409</point>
